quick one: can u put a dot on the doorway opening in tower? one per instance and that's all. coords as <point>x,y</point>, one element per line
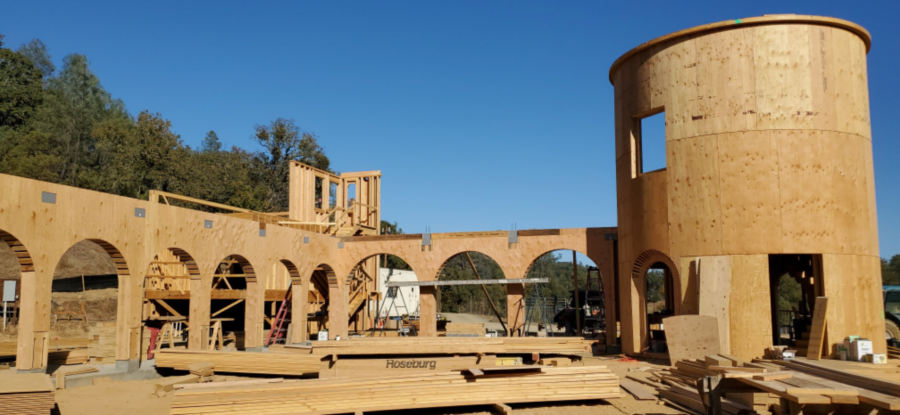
<point>794,283</point>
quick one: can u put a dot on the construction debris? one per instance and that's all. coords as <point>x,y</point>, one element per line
<point>445,389</point>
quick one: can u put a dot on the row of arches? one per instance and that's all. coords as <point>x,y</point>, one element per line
<point>177,270</point>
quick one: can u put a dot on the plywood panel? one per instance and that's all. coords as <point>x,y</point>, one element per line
<point>857,310</point>
<point>781,54</point>
<point>714,282</point>
<point>750,306</point>
<point>748,179</point>
<point>693,190</point>
<point>692,337</point>
<point>681,106</point>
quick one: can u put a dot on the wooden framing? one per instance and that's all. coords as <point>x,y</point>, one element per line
<point>768,151</point>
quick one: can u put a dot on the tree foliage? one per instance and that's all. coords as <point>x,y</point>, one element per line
<point>890,270</point>
<point>64,127</point>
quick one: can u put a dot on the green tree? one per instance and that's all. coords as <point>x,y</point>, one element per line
<point>74,102</point>
<point>37,52</point>
<point>20,88</point>
<point>283,142</point>
<point>393,261</point>
<point>656,282</point>
<point>211,142</point>
<point>890,271</point>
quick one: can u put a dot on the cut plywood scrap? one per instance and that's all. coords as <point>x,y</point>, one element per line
<point>692,337</point>
<point>718,361</point>
<point>168,384</point>
<point>639,391</point>
<point>817,331</point>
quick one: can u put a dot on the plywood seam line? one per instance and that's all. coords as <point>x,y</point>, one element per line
<point>765,130</point>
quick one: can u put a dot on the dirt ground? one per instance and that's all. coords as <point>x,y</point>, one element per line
<point>138,398</point>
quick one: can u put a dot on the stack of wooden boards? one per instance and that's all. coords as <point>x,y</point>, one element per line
<point>893,352</point>
<point>453,345</point>
<point>401,392</point>
<point>26,394</point>
<point>241,362</point>
<point>202,369</point>
<point>465,329</point>
<point>61,374</point>
<point>796,383</point>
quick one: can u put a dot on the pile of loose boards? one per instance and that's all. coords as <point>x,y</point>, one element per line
<point>770,385</point>
<point>444,389</point>
<point>26,394</point>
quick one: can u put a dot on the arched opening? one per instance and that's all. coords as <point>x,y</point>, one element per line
<point>657,277</point>
<point>85,303</point>
<point>228,302</point>
<point>572,302</point>
<point>322,282</point>
<point>471,309</point>
<point>378,308</point>
<point>15,262</point>
<point>167,298</point>
<point>279,307</point>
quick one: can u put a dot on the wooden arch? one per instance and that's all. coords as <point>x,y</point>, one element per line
<point>26,264</point>
<point>292,270</point>
<point>537,258</point>
<point>359,262</point>
<point>116,255</point>
<point>646,260</point>
<point>446,261</point>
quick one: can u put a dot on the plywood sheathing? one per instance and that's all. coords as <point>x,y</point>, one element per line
<point>768,151</point>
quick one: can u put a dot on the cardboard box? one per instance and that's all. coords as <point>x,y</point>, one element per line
<point>877,358</point>
<point>323,335</point>
<point>859,349</point>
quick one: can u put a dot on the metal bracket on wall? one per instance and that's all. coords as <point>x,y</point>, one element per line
<point>207,224</point>
<point>140,213</point>
<point>48,197</point>
<point>341,245</point>
<point>611,237</point>
<point>513,237</point>
<point>306,239</point>
<point>426,240</point>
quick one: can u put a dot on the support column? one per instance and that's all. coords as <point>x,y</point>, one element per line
<point>34,321</point>
<point>427,312</point>
<point>630,297</point>
<point>299,304</point>
<point>198,320</point>
<point>254,314</point>
<point>515,309</point>
<point>128,322</point>
<point>337,312</point>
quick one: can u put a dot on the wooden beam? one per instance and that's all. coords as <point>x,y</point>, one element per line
<point>227,307</point>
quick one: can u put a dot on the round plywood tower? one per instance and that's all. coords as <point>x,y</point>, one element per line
<point>768,171</point>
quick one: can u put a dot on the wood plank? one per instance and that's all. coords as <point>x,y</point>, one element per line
<point>640,392</point>
<point>817,331</point>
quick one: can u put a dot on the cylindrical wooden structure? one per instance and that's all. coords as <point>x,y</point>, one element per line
<point>768,151</point>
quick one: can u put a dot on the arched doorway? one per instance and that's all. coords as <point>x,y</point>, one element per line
<point>574,297</point>
<point>231,284</point>
<point>15,266</point>
<point>167,298</point>
<point>284,309</point>
<point>375,307</point>
<point>322,308</point>
<point>470,306</point>
<point>88,306</point>
<point>659,287</point>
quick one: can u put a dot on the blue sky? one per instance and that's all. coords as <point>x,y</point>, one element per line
<point>479,114</point>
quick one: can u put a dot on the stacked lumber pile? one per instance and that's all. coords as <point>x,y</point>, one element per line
<point>26,394</point>
<point>338,396</point>
<point>287,364</point>
<point>102,344</point>
<point>893,352</point>
<point>454,345</point>
<point>465,329</point>
<point>798,382</point>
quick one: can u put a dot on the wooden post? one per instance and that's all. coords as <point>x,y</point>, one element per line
<point>577,307</point>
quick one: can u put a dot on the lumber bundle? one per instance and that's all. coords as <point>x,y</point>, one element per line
<point>76,370</point>
<point>800,382</point>
<point>453,345</point>
<point>26,394</point>
<point>465,329</point>
<point>400,392</point>
<point>287,364</point>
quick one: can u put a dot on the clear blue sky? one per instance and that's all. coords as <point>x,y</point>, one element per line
<point>479,114</point>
